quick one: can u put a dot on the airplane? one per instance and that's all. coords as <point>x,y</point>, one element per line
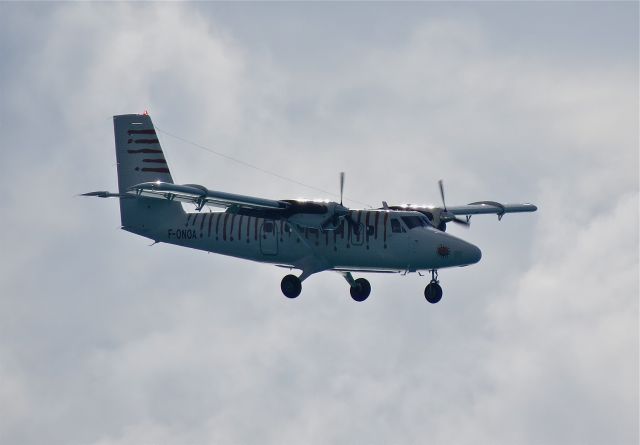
<point>308,235</point>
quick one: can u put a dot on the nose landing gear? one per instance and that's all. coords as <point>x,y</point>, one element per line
<point>433,291</point>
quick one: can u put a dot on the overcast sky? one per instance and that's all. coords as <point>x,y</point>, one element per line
<point>104,340</point>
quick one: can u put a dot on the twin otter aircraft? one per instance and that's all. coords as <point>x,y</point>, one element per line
<point>311,236</point>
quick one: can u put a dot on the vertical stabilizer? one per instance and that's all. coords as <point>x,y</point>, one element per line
<point>140,159</point>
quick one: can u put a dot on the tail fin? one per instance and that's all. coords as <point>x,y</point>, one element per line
<point>140,159</point>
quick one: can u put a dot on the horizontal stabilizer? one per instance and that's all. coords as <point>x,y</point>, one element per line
<point>102,194</point>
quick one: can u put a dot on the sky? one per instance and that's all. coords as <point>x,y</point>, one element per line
<point>105,340</point>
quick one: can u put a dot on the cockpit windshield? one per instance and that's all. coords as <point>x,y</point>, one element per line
<point>416,221</point>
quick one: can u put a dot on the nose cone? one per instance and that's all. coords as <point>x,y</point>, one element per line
<point>465,253</point>
<point>446,250</point>
<point>471,253</point>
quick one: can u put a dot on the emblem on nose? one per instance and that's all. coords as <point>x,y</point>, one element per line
<point>443,251</point>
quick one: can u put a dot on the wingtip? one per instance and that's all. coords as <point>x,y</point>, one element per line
<point>100,194</point>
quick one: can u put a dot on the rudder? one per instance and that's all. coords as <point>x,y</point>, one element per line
<point>141,159</point>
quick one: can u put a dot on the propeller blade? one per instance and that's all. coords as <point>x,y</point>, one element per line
<point>445,216</point>
<point>440,183</point>
<point>339,211</point>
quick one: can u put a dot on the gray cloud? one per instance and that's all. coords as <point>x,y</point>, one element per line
<point>106,341</point>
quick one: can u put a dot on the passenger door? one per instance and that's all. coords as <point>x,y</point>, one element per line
<point>397,241</point>
<point>268,237</point>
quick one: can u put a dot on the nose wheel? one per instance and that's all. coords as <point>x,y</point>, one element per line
<point>433,291</point>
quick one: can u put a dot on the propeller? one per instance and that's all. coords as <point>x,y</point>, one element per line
<point>340,211</point>
<point>445,216</point>
<point>441,185</point>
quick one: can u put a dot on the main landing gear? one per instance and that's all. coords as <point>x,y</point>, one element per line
<point>359,289</point>
<point>433,291</point>
<point>291,286</point>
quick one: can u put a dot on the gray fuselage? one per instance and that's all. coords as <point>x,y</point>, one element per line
<point>377,240</point>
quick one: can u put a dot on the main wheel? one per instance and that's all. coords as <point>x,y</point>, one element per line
<point>291,286</point>
<point>361,289</point>
<point>433,292</point>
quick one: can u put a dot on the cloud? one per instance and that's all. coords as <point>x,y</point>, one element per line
<point>563,346</point>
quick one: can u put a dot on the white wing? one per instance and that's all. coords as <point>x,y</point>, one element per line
<point>490,207</point>
<point>201,196</point>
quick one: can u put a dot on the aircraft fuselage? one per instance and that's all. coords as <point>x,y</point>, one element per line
<point>377,240</point>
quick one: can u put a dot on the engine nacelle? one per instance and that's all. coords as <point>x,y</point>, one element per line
<point>308,220</point>
<point>316,215</point>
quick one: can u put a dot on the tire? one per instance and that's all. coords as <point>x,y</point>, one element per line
<point>433,293</point>
<point>291,286</point>
<point>361,290</point>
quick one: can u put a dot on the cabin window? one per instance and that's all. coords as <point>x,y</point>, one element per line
<point>267,227</point>
<point>414,221</point>
<point>371,230</point>
<point>396,227</point>
<point>427,220</point>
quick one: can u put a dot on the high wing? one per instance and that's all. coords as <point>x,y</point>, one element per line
<point>474,208</point>
<point>313,214</point>
<point>200,196</point>
<point>440,216</point>
<point>490,207</point>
